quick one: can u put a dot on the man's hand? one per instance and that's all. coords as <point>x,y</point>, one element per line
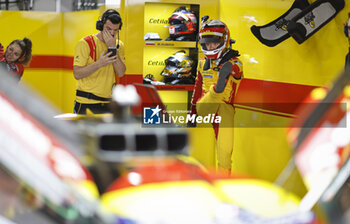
<point>84,71</point>
<point>108,38</point>
<point>104,59</point>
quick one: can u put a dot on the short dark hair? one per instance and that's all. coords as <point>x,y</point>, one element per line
<point>113,16</point>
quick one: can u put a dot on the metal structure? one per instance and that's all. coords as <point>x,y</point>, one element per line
<point>79,5</point>
<point>16,4</point>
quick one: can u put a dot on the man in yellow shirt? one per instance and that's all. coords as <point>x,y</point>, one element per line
<point>96,65</point>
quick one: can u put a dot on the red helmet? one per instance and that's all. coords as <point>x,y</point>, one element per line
<point>183,24</point>
<point>214,31</point>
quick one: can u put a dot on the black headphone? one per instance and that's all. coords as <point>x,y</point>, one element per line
<point>105,16</point>
<point>346,31</point>
<point>346,27</point>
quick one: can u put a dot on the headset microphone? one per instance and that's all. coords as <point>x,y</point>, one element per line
<point>118,40</point>
<point>346,27</point>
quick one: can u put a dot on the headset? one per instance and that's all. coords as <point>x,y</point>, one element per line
<point>346,27</point>
<point>105,16</point>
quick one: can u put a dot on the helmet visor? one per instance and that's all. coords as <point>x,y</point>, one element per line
<point>171,61</point>
<point>211,37</point>
<point>208,39</point>
<point>176,21</point>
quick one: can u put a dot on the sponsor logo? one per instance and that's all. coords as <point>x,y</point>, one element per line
<point>310,19</point>
<point>156,63</point>
<point>158,21</point>
<point>181,119</point>
<point>151,115</point>
<point>281,24</point>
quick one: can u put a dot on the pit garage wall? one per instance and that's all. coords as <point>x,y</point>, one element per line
<point>44,29</point>
<point>283,74</point>
<point>54,36</point>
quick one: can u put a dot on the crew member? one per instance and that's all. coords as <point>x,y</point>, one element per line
<point>98,63</point>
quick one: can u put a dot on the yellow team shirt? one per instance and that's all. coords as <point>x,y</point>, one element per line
<point>101,81</point>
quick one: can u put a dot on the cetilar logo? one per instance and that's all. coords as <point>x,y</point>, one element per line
<point>151,115</point>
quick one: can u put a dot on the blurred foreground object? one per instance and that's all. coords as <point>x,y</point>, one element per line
<point>142,174</point>
<point>321,139</point>
<point>171,190</point>
<point>42,179</point>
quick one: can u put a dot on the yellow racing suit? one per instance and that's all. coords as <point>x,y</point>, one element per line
<point>206,100</point>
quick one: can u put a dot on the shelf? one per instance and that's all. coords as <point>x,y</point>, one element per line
<point>157,51</point>
<point>177,44</point>
<point>174,87</point>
